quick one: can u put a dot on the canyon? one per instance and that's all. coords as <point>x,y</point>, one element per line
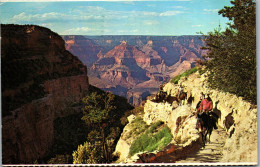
<point>135,66</point>
<point>43,85</point>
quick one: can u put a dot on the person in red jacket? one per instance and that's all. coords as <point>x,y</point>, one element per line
<point>206,105</point>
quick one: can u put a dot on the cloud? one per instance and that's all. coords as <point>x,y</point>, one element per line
<point>145,13</point>
<point>151,5</point>
<point>46,24</point>
<point>52,17</point>
<point>85,30</point>
<point>91,9</point>
<point>199,25</point>
<point>88,14</point>
<point>151,22</point>
<point>97,12</point>
<point>211,10</point>
<point>127,2</point>
<point>170,13</point>
<point>127,31</point>
<point>80,29</point>
<point>117,1</point>
<point>178,7</point>
<point>182,0</point>
<point>37,17</point>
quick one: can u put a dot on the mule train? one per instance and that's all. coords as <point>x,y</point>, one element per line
<point>164,97</point>
<point>207,116</point>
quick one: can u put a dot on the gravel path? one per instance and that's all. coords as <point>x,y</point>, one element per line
<point>212,151</point>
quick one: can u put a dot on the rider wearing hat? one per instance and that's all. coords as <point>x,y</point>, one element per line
<point>204,107</point>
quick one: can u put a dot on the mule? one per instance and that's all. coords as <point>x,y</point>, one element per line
<point>170,99</point>
<point>229,121</point>
<point>159,97</point>
<point>207,123</point>
<point>190,100</point>
<point>182,98</point>
<point>202,124</point>
<point>217,111</point>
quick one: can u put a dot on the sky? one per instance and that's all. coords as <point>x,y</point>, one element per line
<point>110,17</point>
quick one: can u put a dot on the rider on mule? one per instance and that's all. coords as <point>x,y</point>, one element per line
<point>205,106</point>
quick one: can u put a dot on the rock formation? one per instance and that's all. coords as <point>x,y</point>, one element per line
<point>84,48</point>
<point>240,144</point>
<point>133,62</point>
<point>40,78</point>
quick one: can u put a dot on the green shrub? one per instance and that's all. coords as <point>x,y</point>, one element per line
<point>139,124</point>
<point>160,140</point>
<point>153,127</point>
<point>154,138</point>
<point>231,53</point>
<point>138,127</point>
<point>176,79</point>
<point>88,153</point>
<point>202,71</point>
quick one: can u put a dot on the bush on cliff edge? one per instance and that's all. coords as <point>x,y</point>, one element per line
<point>232,53</point>
<point>155,137</point>
<point>176,79</point>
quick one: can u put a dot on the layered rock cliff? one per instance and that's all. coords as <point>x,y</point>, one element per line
<point>85,49</point>
<point>40,78</point>
<point>240,141</point>
<point>133,62</point>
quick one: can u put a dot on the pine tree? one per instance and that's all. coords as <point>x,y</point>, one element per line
<point>232,53</point>
<point>97,114</point>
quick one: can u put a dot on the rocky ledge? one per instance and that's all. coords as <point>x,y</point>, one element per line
<point>239,145</point>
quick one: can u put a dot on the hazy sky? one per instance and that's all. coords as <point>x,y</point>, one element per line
<point>175,17</point>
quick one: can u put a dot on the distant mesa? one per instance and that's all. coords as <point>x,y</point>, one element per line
<point>128,61</point>
<point>123,42</point>
<point>150,42</point>
<point>109,41</point>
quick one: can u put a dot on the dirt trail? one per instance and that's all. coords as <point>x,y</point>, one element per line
<point>212,151</point>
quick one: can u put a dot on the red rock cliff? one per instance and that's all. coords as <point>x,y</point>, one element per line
<point>40,79</point>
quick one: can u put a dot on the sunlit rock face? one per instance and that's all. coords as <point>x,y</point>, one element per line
<point>240,145</point>
<point>84,48</point>
<point>122,64</point>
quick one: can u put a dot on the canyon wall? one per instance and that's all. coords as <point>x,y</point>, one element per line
<point>40,81</point>
<point>241,143</point>
<point>125,64</point>
<point>84,48</point>
<point>28,133</point>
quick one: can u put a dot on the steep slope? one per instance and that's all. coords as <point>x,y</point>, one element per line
<point>241,140</point>
<point>71,131</point>
<point>40,80</point>
<point>84,48</point>
<point>236,144</point>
